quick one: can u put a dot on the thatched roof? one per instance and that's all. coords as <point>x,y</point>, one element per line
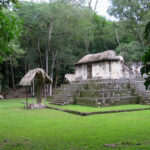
<point>107,55</point>
<point>34,73</point>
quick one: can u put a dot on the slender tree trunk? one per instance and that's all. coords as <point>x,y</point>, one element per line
<point>46,67</point>
<point>12,74</point>
<point>95,5</point>
<point>46,61</point>
<point>39,51</point>
<point>33,92</point>
<point>48,45</point>
<point>117,37</point>
<point>52,70</point>
<point>25,66</point>
<point>89,3</point>
<point>28,62</point>
<point>0,88</point>
<point>142,41</point>
<point>26,97</point>
<point>7,74</point>
<point>56,78</point>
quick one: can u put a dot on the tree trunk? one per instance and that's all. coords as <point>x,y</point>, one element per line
<point>12,74</point>
<point>39,51</point>
<point>7,75</point>
<point>95,5</point>
<point>46,61</point>
<point>89,3</point>
<point>142,41</point>
<point>117,37</point>
<point>0,88</point>
<point>56,78</point>
<point>28,62</point>
<point>25,66</point>
<point>48,45</point>
<point>26,98</point>
<point>52,70</point>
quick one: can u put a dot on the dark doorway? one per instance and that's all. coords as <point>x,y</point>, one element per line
<point>89,71</point>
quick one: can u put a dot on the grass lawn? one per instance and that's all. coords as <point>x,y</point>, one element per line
<point>81,108</point>
<point>48,129</point>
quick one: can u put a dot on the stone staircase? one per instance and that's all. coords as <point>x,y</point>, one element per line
<point>66,94</point>
<point>140,90</point>
<point>96,93</point>
<point>106,93</point>
<point>103,93</point>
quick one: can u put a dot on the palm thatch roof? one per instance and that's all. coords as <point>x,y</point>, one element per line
<point>35,73</point>
<point>107,55</point>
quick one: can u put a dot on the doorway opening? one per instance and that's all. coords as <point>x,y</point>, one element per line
<point>89,71</point>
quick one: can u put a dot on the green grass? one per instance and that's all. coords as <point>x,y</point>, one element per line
<point>81,108</point>
<point>48,129</point>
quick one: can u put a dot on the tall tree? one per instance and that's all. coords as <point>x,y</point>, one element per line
<point>57,26</point>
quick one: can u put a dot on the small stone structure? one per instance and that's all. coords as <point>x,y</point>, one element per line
<point>70,78</point>
<point>1,96</point>
<point>104,79</point>
<point>41,79</point>
<point>105,65</point>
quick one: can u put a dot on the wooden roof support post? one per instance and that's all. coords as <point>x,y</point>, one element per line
<point>26,98</point>
<point>45,93</point>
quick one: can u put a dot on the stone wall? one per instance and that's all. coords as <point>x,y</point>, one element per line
<point>135,69</point>
<point>81,72</point>
<point>106,93</point>
<point>104,70</point>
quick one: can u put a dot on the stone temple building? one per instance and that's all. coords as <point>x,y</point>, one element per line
<point>104,65</point>
<point>103,79</point>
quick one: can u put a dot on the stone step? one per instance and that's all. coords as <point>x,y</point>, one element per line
<point>106,101</point>
<point>63,95</point>
<point>105,86</point>
<point>69,85</point>
<point>61,99</point>
<point>106,93</point>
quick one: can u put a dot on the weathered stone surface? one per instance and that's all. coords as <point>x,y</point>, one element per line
<point>105,65</point>
<point>36,106</point>
<point>1,96</point>
<point>70,78</point>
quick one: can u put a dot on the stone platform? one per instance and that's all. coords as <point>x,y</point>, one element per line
<point>103,93</point>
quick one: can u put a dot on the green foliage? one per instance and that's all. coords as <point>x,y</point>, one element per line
<point>6,3</point>
<point>77,31</point>
<point>130,51</point>
<point>127,10</point>
<point>146,68</point>
<point>147,30</point>
<point>10,28</point>
<point>104,35</point>
<point>71,33</point>
<point>146,60</point>
<point>132,17</point>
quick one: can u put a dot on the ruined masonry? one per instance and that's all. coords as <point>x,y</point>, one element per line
<point>103,93</point>
<point>103,79</point>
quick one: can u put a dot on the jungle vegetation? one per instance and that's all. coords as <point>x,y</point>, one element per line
<point>54,35</point>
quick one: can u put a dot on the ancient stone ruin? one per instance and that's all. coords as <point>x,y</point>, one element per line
<point>105,65</point>
<point>103,79</point>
